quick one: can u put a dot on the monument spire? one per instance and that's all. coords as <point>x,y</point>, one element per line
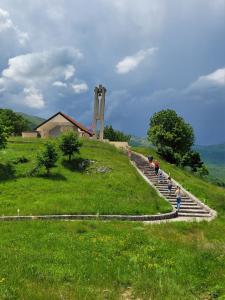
<point>99,109</point>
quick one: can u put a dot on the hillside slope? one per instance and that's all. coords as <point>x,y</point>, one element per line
<point>33,120</point>
<point>112,260</point>
<point>109,185</point>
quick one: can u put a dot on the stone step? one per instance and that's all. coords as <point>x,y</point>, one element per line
<point>195,215</point>
<point>162,184</point>
<point>184,201</point>
<point>172,196</point>
<point>189,207</point>
<point>193,211</point>
<point>184,204</point>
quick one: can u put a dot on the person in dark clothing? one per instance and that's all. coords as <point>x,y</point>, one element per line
<point>156,167</point>
<point>169,184</point>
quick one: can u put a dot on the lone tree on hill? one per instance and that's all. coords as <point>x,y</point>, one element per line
<point>115,135</point>
<point>15,122</point>
<point>48,157</point>
<point>173,138</point>
<point>70,143</point>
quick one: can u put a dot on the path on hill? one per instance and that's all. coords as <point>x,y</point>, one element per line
<point>191,207</point>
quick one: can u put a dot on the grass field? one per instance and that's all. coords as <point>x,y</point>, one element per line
<point>117,260</point>
<point>73,190</point>
<point>112,260</point>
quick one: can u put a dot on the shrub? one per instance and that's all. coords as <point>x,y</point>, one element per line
<point>20,160</point>
<point>48,157</point>
<point>70,143</point>
<point>193,160</point>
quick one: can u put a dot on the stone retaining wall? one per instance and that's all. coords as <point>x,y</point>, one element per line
<point>170,215</point>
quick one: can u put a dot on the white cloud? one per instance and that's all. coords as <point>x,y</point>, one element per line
<point>46,65</point>
<point>69,72</point>
<point>214,79</point>
<point>28,77</point>
<point>33,98</point>
<point>59,84</point>
<point>80,88</point>
<point>6,23</point>
<point>129,63</point>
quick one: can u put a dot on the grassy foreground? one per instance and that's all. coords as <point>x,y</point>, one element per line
<point>113,260</point>
<point>117,260</point>
<point>110,185</point>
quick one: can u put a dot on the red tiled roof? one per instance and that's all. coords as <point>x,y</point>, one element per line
<point>69,119</point>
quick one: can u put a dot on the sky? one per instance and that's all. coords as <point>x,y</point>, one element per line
<point>149,54</point>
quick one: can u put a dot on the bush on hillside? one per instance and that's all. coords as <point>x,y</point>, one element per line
<point>48,157</point>
<point>115,135</point>
<point>70,144</point>
<point>193,160</point>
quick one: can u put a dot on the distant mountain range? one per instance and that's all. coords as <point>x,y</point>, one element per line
<point>33,120</point>
<point>213,154</point>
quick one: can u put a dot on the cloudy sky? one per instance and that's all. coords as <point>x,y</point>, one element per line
<point>150,55</point>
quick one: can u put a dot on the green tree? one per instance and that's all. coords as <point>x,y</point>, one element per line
<point>15,122</point>
<point>70,143</point>
<point>4,133</point>
<point>48,157</point>
<point>171,135</point>
<point>115,135</point>
<point>193,160</point>
<point>203,171</point>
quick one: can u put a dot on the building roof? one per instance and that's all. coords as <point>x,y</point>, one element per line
<point>71,120</point>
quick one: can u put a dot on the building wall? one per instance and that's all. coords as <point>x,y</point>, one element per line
<point>57,126</point>
<point>29,134</point>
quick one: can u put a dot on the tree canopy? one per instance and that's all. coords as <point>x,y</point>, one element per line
<point>173,139</point>
<point>4,133</point>
<point>115,135</point>
<point>13,121</point>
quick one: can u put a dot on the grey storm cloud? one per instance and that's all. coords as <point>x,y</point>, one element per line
<point>150,54</point>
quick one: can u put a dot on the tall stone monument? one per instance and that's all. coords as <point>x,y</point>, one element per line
<point>99,108</point>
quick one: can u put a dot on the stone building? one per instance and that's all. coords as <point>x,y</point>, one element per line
<point>60,123</point>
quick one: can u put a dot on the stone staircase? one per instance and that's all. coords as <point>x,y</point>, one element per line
<point>190,207</point>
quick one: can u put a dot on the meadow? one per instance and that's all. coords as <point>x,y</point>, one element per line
<point>107,184</point>
<point>117,260</point>
<point>112,260</point>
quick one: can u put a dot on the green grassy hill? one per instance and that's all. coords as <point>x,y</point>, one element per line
<point>110,185</point>
<point>109,260</point>
<point>33,120</point>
